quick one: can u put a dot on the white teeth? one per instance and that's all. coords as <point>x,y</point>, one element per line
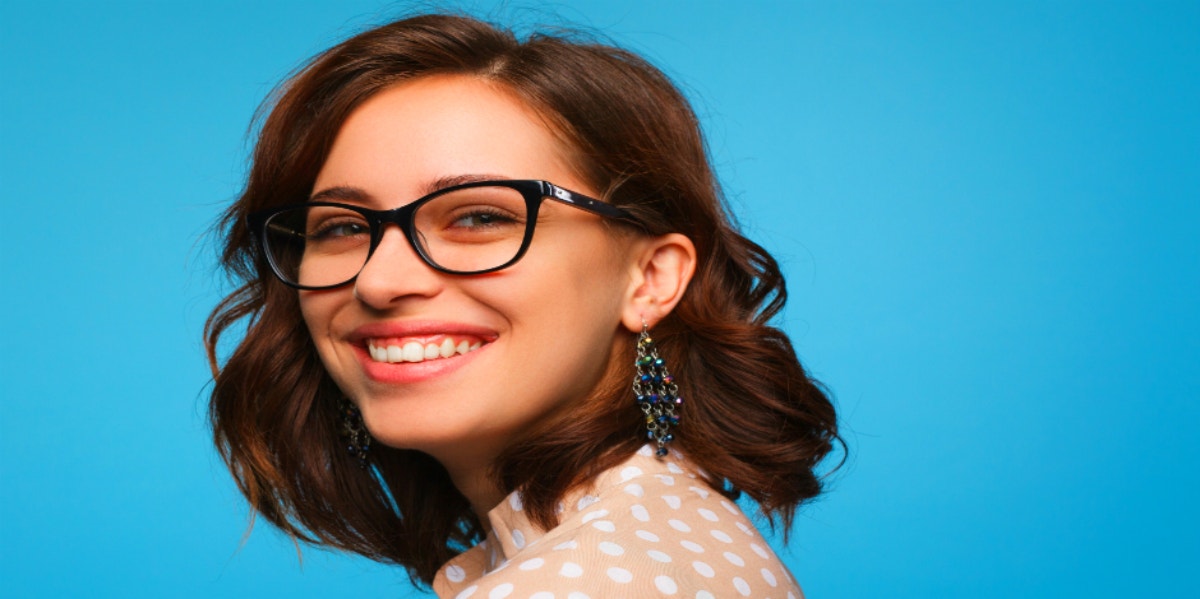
<point>416,352</point>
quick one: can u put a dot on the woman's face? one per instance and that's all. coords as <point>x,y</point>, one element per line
<point>537,336</point>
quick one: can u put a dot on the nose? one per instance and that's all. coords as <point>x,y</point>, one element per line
<point>395,272</point>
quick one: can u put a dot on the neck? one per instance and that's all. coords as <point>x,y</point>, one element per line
<point>471,476</point>
<point>477,487</point>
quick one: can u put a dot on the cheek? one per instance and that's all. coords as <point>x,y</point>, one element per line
<point>317,309</point>
<point>311,310</point>
<point>572,289</point>
<point>568,316</point>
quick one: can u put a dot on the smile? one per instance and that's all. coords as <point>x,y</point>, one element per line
<point>398,350</point>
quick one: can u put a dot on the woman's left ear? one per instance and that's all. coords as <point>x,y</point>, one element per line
<point>662,270</point>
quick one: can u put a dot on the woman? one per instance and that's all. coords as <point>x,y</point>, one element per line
<point>455,246</point>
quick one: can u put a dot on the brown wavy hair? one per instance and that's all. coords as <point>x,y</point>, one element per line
<point>752,419</point>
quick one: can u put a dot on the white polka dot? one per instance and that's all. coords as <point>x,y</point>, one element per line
<point>610,548</point>
<point>542,595</point>
<point>645,451</point>
<point>558,508</point>
<point>646,535</point>
<point>735,559</point>
<point>664,479</point>
<point>707,514</point>
<point>658,556</point>
<point>790,595</point>
<point>577,595</point>
<point>672,501</point>
<point>566,545</point>
<point>518,539</point>
<point>704,595</point>
<point>742,586</point>
<point>588,517</point>
<point>640,513</point>
<point>456,574</point>
<point>679,525</point>
<point>532,564</point>
<point>666,584</point>
<point>467,592</point>
<point>674,468</point>
<point>721,536</point>
<point>729,507</point>
<point>704,569</point>
<point>760,551</point>
<point>604,525</point>
<point>744,528</point>
<point>571,570</point>
<point>501,591</point>
<point>770,578</point>
<point>635,489</point>
<point>620,574</point>
<point>585,501</point>
<point>690,546</point>
<point>514,501</point>
<point>703,493</point>
<point>630,472</point>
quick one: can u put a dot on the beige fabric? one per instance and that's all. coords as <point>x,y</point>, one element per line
<point>647,528</point>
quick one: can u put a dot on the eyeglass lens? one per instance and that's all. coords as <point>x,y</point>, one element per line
<point>465,231</point>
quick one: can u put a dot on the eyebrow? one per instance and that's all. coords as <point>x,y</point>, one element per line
<point>451,181</point>
<point>356,194</point>
<point>341,192</point>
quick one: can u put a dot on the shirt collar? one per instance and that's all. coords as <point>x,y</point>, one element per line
<point>512,531</point>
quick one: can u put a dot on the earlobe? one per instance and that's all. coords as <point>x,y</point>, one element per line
<point>662,272</point>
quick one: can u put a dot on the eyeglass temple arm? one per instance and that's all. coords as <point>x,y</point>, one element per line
<point>285,230</point>
<point>581,201</point>
<point>259,228</point>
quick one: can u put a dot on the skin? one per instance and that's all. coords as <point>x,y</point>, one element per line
<point>547,325</point>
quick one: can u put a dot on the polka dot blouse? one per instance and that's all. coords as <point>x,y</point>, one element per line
<point>646,528</point>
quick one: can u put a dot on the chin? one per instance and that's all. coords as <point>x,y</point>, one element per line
<point>407,428</point>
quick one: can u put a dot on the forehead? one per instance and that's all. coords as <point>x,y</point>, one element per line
<point>442,126</point>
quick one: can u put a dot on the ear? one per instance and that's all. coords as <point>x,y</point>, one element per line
<point>662,270</point>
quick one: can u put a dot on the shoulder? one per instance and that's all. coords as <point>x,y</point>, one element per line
<point>646,529</point>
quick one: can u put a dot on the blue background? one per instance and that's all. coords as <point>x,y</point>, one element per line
<point>987,212</point>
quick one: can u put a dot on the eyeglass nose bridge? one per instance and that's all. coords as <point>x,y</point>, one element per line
<point>402,217</point>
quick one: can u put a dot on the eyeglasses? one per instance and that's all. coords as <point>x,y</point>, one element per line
<point>473,228</point>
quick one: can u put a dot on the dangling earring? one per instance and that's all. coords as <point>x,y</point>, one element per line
<point>656,392</point>
<point>354,432</point>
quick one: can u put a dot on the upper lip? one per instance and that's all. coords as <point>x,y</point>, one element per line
<point>418,328</point>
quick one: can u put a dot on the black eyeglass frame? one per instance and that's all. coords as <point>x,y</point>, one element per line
<point>534,191</point>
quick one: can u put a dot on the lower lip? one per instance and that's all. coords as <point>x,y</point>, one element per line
<point>412,372</point>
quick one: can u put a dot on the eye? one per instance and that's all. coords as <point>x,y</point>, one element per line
<point>338,228</point>
<point>482,217</point>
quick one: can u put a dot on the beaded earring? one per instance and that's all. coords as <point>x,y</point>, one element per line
<point>354,433</point>
<point>656,393</point>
